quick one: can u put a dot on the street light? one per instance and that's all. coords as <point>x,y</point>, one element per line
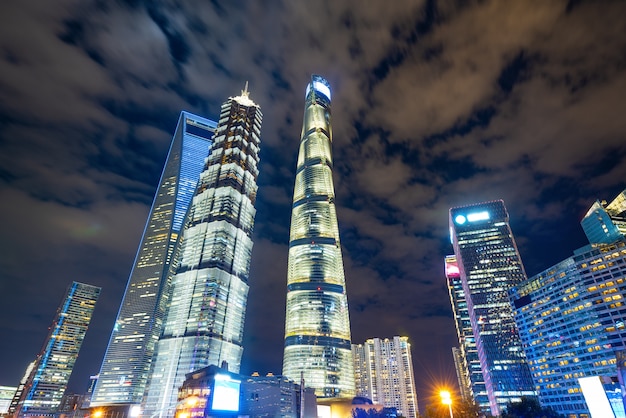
<point>446,399</point>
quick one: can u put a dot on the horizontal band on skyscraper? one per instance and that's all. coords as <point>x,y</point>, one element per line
<point>317,340</point>
<point>313,198</point>
<point>314,161</point>
<point>322,287</point>
<point>317,129</point>
<point>313,241</point>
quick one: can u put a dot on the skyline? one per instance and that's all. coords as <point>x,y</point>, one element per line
<point>435,106</point>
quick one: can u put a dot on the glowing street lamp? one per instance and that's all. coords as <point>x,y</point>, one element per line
<point>446,399</point>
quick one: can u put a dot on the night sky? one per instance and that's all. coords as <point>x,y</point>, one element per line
<point>435,104</point>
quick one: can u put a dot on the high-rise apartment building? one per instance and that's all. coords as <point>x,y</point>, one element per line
<point>469,373</point>
<point>383,371</point>
<point>47,380</point>
<point>489,264</point>
<point>126,365</point>
<point>209,286</point>
<point>317,325</point>
<point>606,223</point>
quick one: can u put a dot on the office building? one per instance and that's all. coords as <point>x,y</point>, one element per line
<point>383,371</point>
<point>489,264</point>
<point>126,365</point>
<point>209,286</point>
<point>572,323</point>
<point>606,223</point>
<point>47,380</point>
<point>469,374</point>
<point>317,326</point>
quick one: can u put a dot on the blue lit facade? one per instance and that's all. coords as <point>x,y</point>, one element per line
<point>209,282</point>
<point>606,223</point>
<point>126,365</point>
<point>469,373</point>
<point>46,384</point>
<point>317,325</point>
<point>489,264</point>
<point>571,319</point>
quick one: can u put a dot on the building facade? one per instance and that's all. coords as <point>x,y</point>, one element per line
<point>317,325</point>
<point>44,388</point>
<point>469,374</point>
<point>572,320</point>
<point>383,370</point>
<point>209,285</point>
<point>606,223</point>
<point>489,265</point>
<point>126,365</point>
<point>572,317</point>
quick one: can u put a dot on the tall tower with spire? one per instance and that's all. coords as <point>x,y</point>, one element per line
<point>209,279</point>
<point>317,325</point>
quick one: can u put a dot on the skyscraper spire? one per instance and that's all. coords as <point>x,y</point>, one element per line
<point>317,326</point>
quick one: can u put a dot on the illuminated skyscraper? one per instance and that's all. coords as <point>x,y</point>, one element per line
<point>47,380</point>
<point>127,361</point>
<point>383,370</point>
<point>209,285</point>
<point>317,326</point>
<point>489,264</point>
<point>469,373</point>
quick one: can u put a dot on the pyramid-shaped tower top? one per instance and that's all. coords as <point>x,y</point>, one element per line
<point>244,98</point>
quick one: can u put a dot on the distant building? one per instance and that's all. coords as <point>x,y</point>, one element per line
<point>572,323</point>
<point>383,372</point>
<point>13,405</point>
<point>317,324</point>
<point>48,380</point>
<point>126,365</point>
<point>606,223</point>
<point>466,361</point>
<point>6,396</point>
<point>209,282</point>
<point>213,391</point>
<point>489,265</point>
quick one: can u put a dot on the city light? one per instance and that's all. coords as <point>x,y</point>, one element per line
<point>446,399</point>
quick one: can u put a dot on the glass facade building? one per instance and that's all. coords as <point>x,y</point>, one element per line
<point>606,223</point>
<point>209,281</point>
<point>572,319</point>
<point>317,325</point>
<point>383,371</point>
<point>126,365</point>
<point>44,388</point>
<point>489,265</point>
<point>469,373</point>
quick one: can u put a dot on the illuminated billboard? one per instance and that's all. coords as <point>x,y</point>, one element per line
<point>225,396</point>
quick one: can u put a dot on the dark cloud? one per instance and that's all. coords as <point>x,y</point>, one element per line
<point>435,104</point>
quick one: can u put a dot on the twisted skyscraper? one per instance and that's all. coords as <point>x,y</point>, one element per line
<point>209,277</point>
<point>317,326</point>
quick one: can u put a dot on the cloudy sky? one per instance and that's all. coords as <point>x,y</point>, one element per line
<point>435,104</point>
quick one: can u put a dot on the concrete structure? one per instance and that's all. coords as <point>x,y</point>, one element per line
<point>317,325</point>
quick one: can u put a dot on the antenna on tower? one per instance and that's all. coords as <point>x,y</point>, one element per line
<point>245,91</point>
